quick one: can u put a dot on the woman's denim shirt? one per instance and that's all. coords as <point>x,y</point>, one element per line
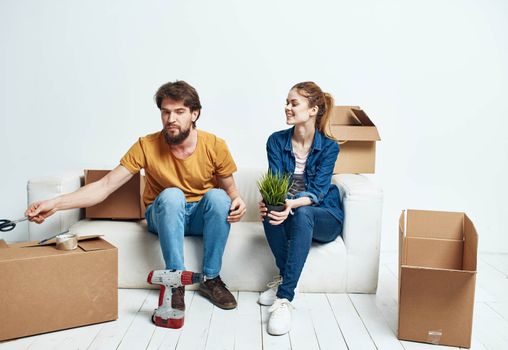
<point>318,169</point>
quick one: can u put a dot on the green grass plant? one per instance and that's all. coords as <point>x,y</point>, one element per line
<point>274,188</point>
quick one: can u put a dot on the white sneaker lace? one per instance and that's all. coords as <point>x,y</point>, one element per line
<point>278,305</point>
<point>277,281</point>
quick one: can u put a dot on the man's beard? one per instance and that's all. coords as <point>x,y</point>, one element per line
<point>176,139</point>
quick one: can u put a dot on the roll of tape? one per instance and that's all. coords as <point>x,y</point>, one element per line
<point>67,241</point>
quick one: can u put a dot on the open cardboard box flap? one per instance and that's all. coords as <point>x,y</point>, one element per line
<point>434,224</point>
<point>351,123</point>
<point>52,241</point>
<point>29,250</point>
<point>438,239</point>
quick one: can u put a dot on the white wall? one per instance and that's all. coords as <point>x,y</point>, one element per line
<point>78,77</point>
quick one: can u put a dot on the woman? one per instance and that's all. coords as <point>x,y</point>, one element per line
<point>313,210</point>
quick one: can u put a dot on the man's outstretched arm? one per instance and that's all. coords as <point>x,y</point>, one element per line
<point>83,197</point>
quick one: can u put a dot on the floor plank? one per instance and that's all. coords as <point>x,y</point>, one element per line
<point>489,327</point>
<point>248,332</point>
<point>493,281</point>
<point>476,344</point>
<point>386,297</point>
<point>140,330</point>
<point>221,334</point>
<point>328,333</point>
<point>197,324</point>
<point>17,344</point>
<point>302,334</point>
<point>129,303</point>
<point>378,328</point>
<point>78,338</point>
<point>497,261</point>
<point>355,334</point>
<point>500,308</point>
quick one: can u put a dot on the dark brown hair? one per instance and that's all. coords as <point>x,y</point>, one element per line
<point>179,91</point>
<point>323,100</point>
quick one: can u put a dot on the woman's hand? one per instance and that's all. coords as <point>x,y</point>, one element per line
<point>262,210</point>
<point>278,217</point>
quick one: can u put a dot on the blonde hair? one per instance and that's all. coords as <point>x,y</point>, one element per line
<point>323,100</point>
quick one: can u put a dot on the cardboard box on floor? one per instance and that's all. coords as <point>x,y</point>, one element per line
<point>125,203</point>
<point>437,275</point>
<point>43,289</point>
<point>357,137</point>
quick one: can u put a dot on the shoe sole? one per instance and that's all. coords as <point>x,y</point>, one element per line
<point>278,334</point>
<point>222,306</point>
<point>265,304</point>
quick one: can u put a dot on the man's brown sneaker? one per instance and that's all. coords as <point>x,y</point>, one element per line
<point>177,299</point>
<point>219,295</point>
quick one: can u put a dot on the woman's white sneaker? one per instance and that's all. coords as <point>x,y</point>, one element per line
<point>279,322</point>
<point>268,296</point>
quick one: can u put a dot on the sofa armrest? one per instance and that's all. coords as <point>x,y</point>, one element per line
<point>49,187</point>
<point>362,202</point>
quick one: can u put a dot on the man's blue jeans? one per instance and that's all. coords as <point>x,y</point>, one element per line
<point>290,242</point>
<point>172,218</point>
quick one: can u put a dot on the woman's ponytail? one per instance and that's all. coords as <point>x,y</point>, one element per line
<point>323,126</point>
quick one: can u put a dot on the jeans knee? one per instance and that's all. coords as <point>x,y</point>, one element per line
<point>217,200</point>
<point>303,214</point>
<point>171,198</point>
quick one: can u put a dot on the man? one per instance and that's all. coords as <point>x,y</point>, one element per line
<point>189,189</point>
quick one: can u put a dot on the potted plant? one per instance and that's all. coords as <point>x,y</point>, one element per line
<point>274,188</point>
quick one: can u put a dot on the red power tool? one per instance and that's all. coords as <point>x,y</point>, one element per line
<point>165,315</point>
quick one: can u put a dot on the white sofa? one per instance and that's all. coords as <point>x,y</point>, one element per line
<point>349,264</point>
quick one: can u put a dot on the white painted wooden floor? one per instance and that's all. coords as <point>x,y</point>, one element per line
<point>321,321</point>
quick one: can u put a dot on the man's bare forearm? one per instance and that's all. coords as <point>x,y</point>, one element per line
<point>84,197</point>
<point>228,184</point>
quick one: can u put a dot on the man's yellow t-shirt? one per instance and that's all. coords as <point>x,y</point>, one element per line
<point>194,175</point>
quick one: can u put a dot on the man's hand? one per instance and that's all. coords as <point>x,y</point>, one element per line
<point>238,207</point>
<point>237,210</point>
<point>37,212</point>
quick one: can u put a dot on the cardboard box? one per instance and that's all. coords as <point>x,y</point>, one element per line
<point>437,275</point>
<point>357,137</point>
<point>43,289</point>
<point>125,203</point>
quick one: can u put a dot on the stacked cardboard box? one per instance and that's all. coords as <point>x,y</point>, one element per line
<point>43,289</point>
<point>126,203</point>
<point>357,136</point>
<point>437,275</point>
